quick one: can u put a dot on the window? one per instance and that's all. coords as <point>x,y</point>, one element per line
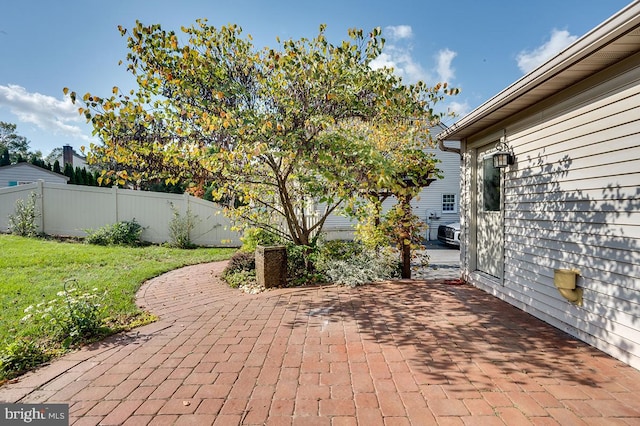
<point>449,204</point>
<point>13,183</point>
<point>490,186</point>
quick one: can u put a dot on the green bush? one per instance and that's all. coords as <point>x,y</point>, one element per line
<point>122,233</point>
<point>240,261</point>
<point>23,221</point>
<point>254,237</point>
<point>180,229</point>
<point>19,356</point>
<point>300,264</point>
<point>241,270</point>
<point>239,279</point>
<point>339,250</point>
<point>361,268</point>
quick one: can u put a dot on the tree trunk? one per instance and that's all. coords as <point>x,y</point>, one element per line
<point>406,257</point>
<point>405,236</point>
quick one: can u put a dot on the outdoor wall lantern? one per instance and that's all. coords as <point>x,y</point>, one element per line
<point>503,156</point>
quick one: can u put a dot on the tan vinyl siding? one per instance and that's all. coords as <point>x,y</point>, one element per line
<point>573,201</point>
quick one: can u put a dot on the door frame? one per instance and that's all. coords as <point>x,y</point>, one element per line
<point>485,149</point>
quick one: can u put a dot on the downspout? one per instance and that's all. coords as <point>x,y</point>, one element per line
<point>445,148</point>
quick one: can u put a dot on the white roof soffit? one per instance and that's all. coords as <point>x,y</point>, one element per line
<point>613,40</point>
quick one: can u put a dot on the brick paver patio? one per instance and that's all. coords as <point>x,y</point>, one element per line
<point>398,353</point>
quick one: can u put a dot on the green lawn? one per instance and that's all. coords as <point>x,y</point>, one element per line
<point>34,270</point>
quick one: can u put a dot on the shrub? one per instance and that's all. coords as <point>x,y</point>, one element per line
<point>300,264</point>
<point>23,221</point>
<point>180,229</point>
<point>361,268</point>
<point>121,233</point>
<point>339,250</point>
<point>240,261</point>
<point>241,271</point>
<point>254,237</point>
<point>239,279</point>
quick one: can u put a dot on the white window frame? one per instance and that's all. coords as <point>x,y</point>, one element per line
<point>447,203</point>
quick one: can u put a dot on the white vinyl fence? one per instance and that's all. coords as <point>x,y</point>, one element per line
<point>69,210</point>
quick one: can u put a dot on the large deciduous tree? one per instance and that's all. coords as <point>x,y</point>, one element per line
<point>279,131</point>
<point>15,145</point>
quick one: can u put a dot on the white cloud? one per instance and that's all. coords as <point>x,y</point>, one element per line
<point>444,59</point>
<point>399,58</point>
<point>530,60</point>
<point>399,32</point>
<point>398,55</point>
<point>46,112</point>
<point>459,108</point>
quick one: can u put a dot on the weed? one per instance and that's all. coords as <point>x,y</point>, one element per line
<point>180,228</point>
<point>20,355</point>
<point>71,318</point>
<point>23,221</point>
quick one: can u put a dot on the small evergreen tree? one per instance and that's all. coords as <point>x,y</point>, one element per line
<point>68,172</point>
<point>56,167</point>
<point>79,180</point>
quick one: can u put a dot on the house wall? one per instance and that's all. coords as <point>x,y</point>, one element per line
<point>77,161</point>
<point>571,201</point>
<point>428,206</point>
<point>26,173</point>
<point>70,210</point>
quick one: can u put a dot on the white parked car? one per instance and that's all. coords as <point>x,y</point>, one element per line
<point>450,234</point>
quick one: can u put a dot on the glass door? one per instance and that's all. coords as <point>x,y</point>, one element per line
<point>489,215</point>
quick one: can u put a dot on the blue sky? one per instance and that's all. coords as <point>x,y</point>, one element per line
<point>478,46</point>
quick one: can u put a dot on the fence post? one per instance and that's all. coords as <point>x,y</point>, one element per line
<point>40,205</point>
<point>114,192</point>
<point>186,210</point>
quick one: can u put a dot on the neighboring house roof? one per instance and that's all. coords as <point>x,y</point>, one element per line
<point>612,41</point>
<point>35,168</point>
